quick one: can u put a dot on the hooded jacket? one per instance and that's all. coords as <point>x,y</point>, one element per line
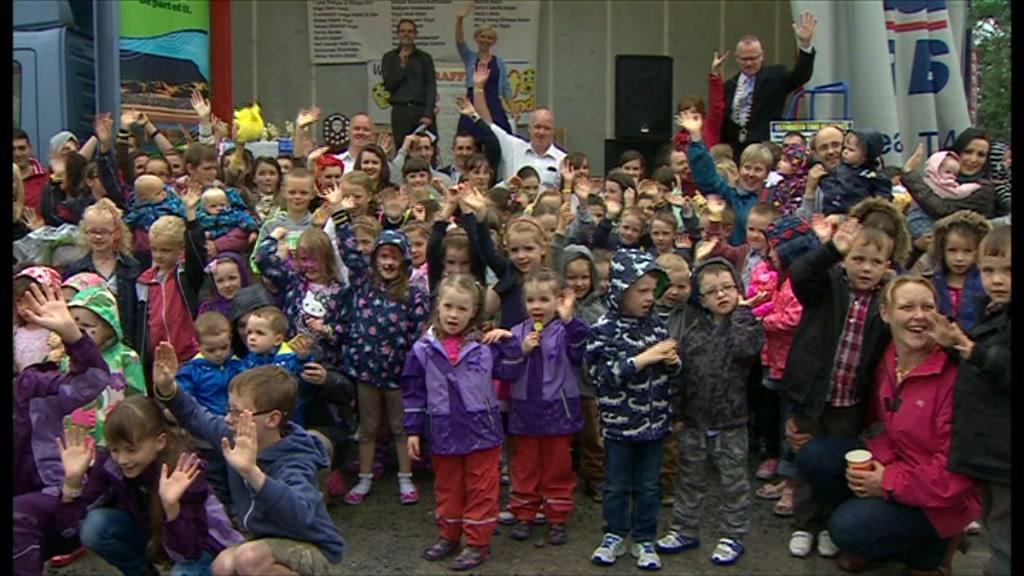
<point>289,505</point>
<point>304,299</point>
<point>208,382</point>
<point>971,297</point>
<point>848,185</point>
<point>717,358</point>
<point>248,299</point>
<point>216,302</point>
<point>43,395</point>
<point>456,401</point>
<point>980,445</point>
<point>635,403</point>
<point>545,399</point>
<point>127,272</point>
<point>125,368</point>
<point>380,330</point>
<point>590,308</point>
<point>202,525</point>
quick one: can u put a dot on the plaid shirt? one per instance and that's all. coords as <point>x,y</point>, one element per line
<point>844,392</point>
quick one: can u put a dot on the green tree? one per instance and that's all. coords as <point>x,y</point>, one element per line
<point>991,39</point>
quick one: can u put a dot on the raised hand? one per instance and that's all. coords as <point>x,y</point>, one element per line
<point>307,116</point>
<point>692,124</point>
<point>567,172</point>
<point>419,213</point>
<point>165,367</point>
<point>201,105</point>
<point>332,196</point>
<point>76,452</point>
<point>386,141</point>
<point>31,219</point>
<point>705,249</point>
<point>582,188</point>
<point>242,457</point>
<point>717,60</point>
<point>568,305</point>
<point>480,74</point>
<point>466,107</point>
<point>465,10</point>
<point>945,333</point>
<point>174,483</point>
<point>103,127</point>
<point>495,335</point>
<point>192,196</point>
<point>804,29</point>
<point>822,227</point>
<point>914,161</point>
<point>47,308</point>
<point>129,117</point>
<point>842,239</point>
<point>612,209</point>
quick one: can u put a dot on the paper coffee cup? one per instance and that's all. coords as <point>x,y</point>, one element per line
<point>859,460</point>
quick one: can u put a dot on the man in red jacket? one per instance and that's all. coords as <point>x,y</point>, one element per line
<point>33,175</point>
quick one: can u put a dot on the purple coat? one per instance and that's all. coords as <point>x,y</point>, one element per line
<point>545,399</point>
<point>43,396</point>
<point>458,402</point>
<point>201,524</point>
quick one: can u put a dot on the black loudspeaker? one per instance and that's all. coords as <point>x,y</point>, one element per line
<point>643,97</point>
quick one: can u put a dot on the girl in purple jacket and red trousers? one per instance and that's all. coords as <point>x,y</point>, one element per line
<point>448,393</point>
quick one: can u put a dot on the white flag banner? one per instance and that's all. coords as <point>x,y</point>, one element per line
<point>901,60</point>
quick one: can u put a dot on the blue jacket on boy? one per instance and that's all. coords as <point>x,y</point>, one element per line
<point>545,399</point>
<point>635,404</point>
<point>289,505</point>
<point>207,382</point>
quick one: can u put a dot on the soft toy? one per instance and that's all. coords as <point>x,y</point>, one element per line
<point>248,127</point>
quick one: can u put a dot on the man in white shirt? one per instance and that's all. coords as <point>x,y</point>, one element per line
<point>540,152</point>
<point>360,135</point>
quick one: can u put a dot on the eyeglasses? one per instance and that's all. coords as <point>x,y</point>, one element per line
<point>234,414</point>
<point>728,289</point>
<point>99,233</point>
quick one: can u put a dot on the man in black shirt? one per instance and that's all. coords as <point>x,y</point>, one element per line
<point>409,77</point>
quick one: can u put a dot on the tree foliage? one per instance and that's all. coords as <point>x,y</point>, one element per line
<point>991,39</point>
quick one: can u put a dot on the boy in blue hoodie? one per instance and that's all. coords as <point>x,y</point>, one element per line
<point>206,377</point>
<point>631,360</point>
<point>273,464</point>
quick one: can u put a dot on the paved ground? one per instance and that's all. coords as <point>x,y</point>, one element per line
<point>385,538</point>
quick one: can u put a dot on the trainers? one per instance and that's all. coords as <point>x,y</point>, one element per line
<point>767,469</point>
<point>674,542</point>
<point>471,557</point>
<point>646,557</point>
<point>507,518</point>
<point>440,549</point>
<point>557,535</point>
<point>974,528</point>
<point>521,531</point>
<point>826,548</point>
<point>335,484</point>
<point>409,496</point>
<point>612,546</point>
<point>359,492</point>
<point>800,543</point>
<point>727,552</point>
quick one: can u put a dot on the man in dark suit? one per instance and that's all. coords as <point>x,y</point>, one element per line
<point>757,94</point>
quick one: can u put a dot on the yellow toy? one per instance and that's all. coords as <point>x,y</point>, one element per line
<point>248,127</point>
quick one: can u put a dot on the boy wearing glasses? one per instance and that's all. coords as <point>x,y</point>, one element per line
<point>273,464</point>
<point>721,343</point>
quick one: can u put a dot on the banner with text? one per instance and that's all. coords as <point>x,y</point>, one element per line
<point>901,61</point>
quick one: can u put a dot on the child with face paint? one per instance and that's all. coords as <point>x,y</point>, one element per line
<point>388,315</point>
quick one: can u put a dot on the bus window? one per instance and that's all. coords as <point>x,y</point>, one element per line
<point>16,83</point>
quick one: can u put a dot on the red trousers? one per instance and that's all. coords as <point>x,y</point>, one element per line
<point>466,488</point>
<point>541,474</point>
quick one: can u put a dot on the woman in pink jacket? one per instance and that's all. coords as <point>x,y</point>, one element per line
<point>908,506</point>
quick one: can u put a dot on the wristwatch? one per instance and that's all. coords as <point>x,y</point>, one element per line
<point>475,117</point>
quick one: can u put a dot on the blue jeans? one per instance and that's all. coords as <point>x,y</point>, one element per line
<point>867,527</point>
<point>632,469</point>
<point>113,535</point>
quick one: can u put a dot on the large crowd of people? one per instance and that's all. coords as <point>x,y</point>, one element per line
<point>205,343</point>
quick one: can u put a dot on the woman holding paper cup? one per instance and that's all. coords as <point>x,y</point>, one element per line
<point>893,496</point>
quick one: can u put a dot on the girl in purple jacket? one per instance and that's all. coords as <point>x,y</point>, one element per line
<point>145,500</point>
<point>544,408</point>
<point>447,388</point>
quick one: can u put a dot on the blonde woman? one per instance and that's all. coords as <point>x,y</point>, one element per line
<point>108,245</point>
<point>497,91</point>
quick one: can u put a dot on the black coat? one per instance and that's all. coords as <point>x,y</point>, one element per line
<point>823,290</point>
<point>772,85</point>
<point>127,272</point>
<point>980,446</point>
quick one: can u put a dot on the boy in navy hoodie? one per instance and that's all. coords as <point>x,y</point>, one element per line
<point>273,464</point>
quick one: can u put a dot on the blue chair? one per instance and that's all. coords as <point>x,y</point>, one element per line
<point>834,88</point>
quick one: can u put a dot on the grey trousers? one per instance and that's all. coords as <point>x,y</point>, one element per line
<point>808,513</point>
<point>995,516</point>
<point>728,450</point>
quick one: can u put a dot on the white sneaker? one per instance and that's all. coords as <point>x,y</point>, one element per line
<point>973,528</point>
<point>646,557</point>
<point>800,543</point>
<point>727,552</point>
<point>612,546</point>
<point>826,548</point>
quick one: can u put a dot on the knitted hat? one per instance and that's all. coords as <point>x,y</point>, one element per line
<point>336,131</point>
<point>791,237</point>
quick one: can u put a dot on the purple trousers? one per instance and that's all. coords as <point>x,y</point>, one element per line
<point>36,538</point>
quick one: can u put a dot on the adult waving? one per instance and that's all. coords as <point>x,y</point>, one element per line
<point>497,89</point>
